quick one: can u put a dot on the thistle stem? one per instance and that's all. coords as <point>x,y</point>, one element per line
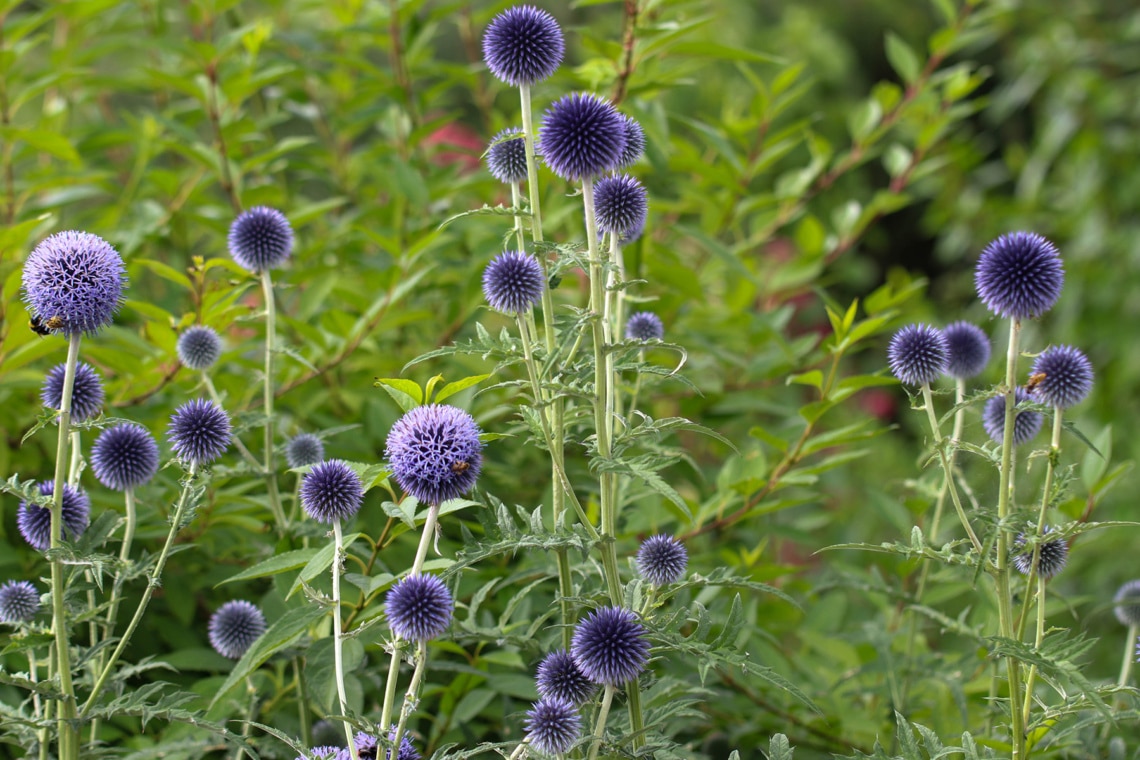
<point>270,349</point>
<point>1037,645</point>
<point>302,704</point>
<point>1054,452</point>
<point>411,696</point>
<point>250,715</point>
<point>603,715</point>
<point>947,468</point>
<point>1129,656</point>
<point>338,635</point>
<point>250,459</point>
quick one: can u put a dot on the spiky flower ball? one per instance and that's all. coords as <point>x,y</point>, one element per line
<point>199,431</point>
<point>19,602</point>
<point>199,347</point>
<point>1054,555</point>
<point>260,239</point>
<point>326,732</point>
<point>304,449</point>
<point>506,158</point>
<point>325,752</point>
<point>331,491</point>
<point>419,608</point>
<point>917,354</point>
<point>513,282</point>
<point>435,452</point>
<point>368,746</point>
<point>523,45</point>
<point>967,350</point>
<point>620,204</point>
<point>86,394</point>
<point>581,136</point>
<point>234,628</point>
<point>559,678</point>
<point>1019,275</point>
<point>1126,603</point>
<point>1026,422</point>
<point>634,142</point>
<point>609,646</point>
<point>662,559</point>
<point>34,521</point>
<point>552,726</point>
<point>644,325</point>
<point>124,456</point>
<point>75,279</point>
<point>1062,376</point>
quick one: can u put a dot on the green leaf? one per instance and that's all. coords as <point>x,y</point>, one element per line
<point>903,59</point>
<point>274,565</point>
<point>320,562</point>
<point>450,389</point>
<point>320,670</point>
<point>406,393</point>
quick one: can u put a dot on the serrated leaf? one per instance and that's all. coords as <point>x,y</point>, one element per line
<point>280,563</point>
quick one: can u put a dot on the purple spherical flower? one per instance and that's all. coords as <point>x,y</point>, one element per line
<point>582,136</point>
<point>1026,422</point>
<point>1126,603</point>
<point>967,350</point>
<point>86,393</point>
<point>1062,377</point>
<point>633,235</point>
<point>610,647</point>
<point>620,204</point>
<point>662,559</point>
<point>331,491</point>
<point>419,608</point>
<point>325,752</point>
<point>644,325</point>
<point>917,354</point>
<point>34,521</point>
<point>506,158</point>
<point>124,456</point>
<point>304,449</point>
<point>199,347</point>
<point>1053,556</point>
<point>634,142</point>
<point>75,279</point>
<point>523,45</point>
<point>435,453</point>
<point>1019,275</point>
<point>260,239</point>
<point>552,726</point>
<point>513,282</point>
<point>199,431</point>
<point>368,746</point>
<point>19,602</point>
<point>558,677</point>
<point>234,628</point>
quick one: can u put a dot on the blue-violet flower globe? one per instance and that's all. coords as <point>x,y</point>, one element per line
<point>199,347</point>
<point>19,602</point>
<point>513,282</point>
<point>260,239</point>
<point>917,354</point>
<point>124,456</point>
<point>368,746</point>
<point>199,431</point>
<point>34,521</point>
<point>331,491</point>
<point>552,726</point>
<point>419,608</point>
<point>581,136</point>
<point>1126,603</point>
<point>662,559</point>
<point>506,158</point>
<point>523,45</point>
<point>234,628</point>
<point>644,325</point>
<point>1053,555</point>
<point>1019,275</point>
<point>435,452</point>
<point>620,204</point>
<point>304,449</point>
<point>86,393</point>
<point>610,647</point>
<point>325,752</point>
<point>1026,422</point>
<point>634,142</point>
<point>1062,376</point>
<point>75,278</point>
<point>558,677</point>
<point>967,350</point>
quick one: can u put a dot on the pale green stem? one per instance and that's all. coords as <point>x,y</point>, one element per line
<point>152,584</point>
<point>520,751</point>
<point>529,135</point>
<point>248,456</point>
<point>947,467</point>
<point>603,715</point>
<point>516,202</point>
<point>270,349</point>
<point>251,714</point>
<point>1054,453</point>
<point>338,635</point>
<point>34,677</point>
<point>302,704</point>
<point>411,696</point>
<point>76,458</point>
<point>1036,645</point>
<point>1129,657</point>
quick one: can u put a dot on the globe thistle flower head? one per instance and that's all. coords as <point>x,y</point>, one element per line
<point>19,602</point>
<point>632,235</point>
<point>199,431</point>
<point>662,559</point>
<point>124,456</point>
<point>581,136</point>
<point>34,521</point>
<point>523,45</point>
<point>1053,556</point>
<point>1126,603</point>
<point>506,158</point>
<point>513,282</point>
<point>368,746</point>
<point>967,350</point>
<point>199,347</point>
<point>331,491</point>
<point>552,726</point>
<point>260,239</point>
<point>304,449</point>
<point>644,325</point>
<point>325,752</point>
<point>75,278</point>
<point>1026,422</point>
<point>634,142</point>
<point>328,733</point>
<point>1062,376</point>
<point>1019,275</point>
<point>86,393</point>
<point>609,646</point>
<point>435,452</point>
<point>234,628</point>
<point>620,204</point>
<point>559,678</point>
<point>917,354</point>
<point>419,608</point>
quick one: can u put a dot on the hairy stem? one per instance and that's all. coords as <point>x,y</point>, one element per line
<point>603,715</point>
<point>270,349</point>
<point>338,635</point>
<point>947,467</point>
<point>1129,656</point>
<point>411,696</point>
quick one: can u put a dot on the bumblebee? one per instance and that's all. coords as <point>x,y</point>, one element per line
<point>460,466</point>
<point>1034,380</point>
<point>44,328</point>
